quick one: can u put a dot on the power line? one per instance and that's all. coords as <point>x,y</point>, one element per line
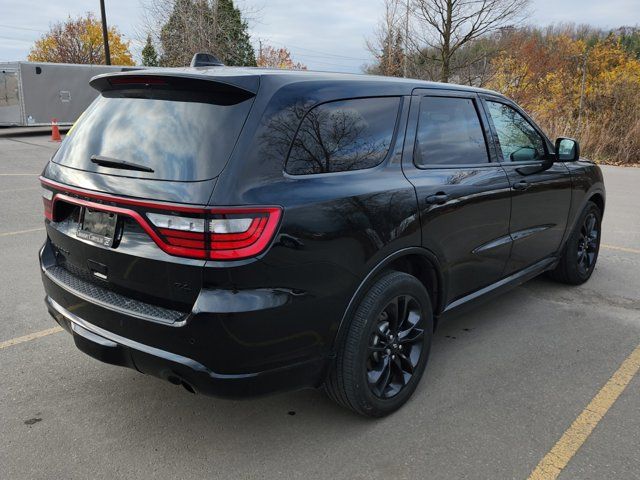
<point>332,55</point>
<point>21,28</point>
<point>17,39</point>
<point>313,57</point>
<point>328,63</point>
<point>297,54</point>
<point>305,57</point>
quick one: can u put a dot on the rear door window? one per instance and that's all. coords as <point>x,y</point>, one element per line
<point>182,136</point>
<point>344,135</point>
<point>449,133</point>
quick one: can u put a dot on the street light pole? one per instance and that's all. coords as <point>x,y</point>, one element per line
<point>105,34</point>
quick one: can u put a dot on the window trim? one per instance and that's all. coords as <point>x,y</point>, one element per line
<point>496,141</point>
<point>382,163</point>
<point>486,133</point>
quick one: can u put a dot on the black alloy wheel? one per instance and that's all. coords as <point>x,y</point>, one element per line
<point>382,356</point>
<point>395,346</point>
<point>580,255</point>
<point>588,243</point>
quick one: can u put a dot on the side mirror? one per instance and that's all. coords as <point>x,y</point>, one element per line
<point>567,150</point>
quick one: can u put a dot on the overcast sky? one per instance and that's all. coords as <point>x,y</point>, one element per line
<point>323,34</point>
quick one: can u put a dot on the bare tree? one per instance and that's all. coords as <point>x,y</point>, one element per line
<point>180,28</point>
<point>448,25</point>
<point>386,45</point>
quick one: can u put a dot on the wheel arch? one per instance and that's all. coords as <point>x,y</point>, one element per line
<point>596,195</point>
<point>417,261</point>
<point>598,199</point>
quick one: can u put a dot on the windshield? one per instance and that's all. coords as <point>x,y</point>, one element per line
<point>179,138</point>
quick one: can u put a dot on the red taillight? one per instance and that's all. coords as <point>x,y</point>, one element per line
<point>230,233</point>
<point>183,239</point>
<point>241,233</point>
<point>222,234</point>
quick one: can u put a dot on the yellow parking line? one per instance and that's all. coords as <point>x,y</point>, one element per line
<point>18,232</point>
<point>622,249</point>
<point>563,451</point>
<point>31,336</point>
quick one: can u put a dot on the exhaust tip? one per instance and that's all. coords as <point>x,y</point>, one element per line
<point>176,380</point>
<point>188,387</point>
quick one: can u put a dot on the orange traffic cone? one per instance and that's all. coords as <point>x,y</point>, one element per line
<point>55,131</point>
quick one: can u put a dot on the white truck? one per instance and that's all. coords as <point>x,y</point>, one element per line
<point>33,93</point>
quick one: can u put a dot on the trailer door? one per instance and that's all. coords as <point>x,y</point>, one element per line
<point>10,113</point>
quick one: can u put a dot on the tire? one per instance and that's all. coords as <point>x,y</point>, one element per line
<point>581,251</point>
<point>368,356</point>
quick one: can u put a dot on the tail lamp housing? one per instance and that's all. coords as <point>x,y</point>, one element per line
<point>220,234</point>
<point>227,233</point>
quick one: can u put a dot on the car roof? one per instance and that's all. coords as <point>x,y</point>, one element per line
<point>245,77</point>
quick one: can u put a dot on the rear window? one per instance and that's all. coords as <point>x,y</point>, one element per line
<point>180,136</point>
<point>344,135</point>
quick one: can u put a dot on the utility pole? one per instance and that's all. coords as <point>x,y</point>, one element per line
<point>105,34</point>
<point>406,42</point>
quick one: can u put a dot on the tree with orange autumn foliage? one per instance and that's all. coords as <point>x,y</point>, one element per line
<point>278,58</point>
<point>588,88</point>
<point>79,40</point>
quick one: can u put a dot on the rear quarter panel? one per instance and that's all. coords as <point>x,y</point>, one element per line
<point>335,229</point>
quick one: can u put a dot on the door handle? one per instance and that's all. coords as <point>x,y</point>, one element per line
<point>437,199</point>
<point>521,185</point>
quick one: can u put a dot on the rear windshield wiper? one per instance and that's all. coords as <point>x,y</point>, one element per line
<point>115,163</point>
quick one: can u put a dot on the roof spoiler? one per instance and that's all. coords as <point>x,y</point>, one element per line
<point>174,79</point>
<point>202,59</point>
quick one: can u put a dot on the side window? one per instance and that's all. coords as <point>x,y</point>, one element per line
<point>519,141</point>
<point>344,135</point>
<point>449,133</point>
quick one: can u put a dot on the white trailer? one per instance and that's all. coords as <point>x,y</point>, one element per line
<point>32,93</point>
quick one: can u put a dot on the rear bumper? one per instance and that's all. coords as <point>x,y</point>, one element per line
<point>215,349</point>
<point>177,369</point>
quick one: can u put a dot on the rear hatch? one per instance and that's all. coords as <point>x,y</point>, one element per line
<point>125,195</point>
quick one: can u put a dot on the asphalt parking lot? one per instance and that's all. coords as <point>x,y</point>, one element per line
<point>504,384</point>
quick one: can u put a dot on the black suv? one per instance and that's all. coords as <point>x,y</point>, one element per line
<point>244,231</point>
